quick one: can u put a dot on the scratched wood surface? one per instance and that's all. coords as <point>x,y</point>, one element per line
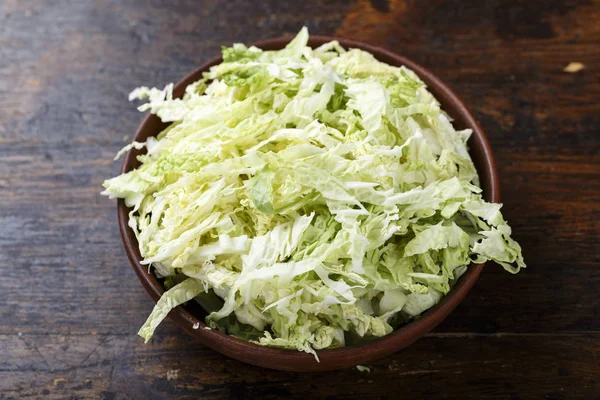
<point>70,304</point>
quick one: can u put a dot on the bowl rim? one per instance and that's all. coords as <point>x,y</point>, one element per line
<point>293,360</point>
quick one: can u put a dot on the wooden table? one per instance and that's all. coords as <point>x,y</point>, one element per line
<point>71,305</point>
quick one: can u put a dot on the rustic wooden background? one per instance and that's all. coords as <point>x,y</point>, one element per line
<point>71,305</point>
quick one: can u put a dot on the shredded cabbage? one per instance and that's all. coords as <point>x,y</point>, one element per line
<point>307,198</point>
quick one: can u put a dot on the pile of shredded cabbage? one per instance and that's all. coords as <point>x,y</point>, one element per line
<point>307,198</point>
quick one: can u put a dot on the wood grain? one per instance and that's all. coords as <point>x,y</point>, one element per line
<point>70,304</point>
<point>498,366</point>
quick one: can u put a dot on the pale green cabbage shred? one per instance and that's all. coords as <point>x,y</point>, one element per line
<point>323,195</point>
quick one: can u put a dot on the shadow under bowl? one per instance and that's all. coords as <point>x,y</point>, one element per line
<point>291,360</point>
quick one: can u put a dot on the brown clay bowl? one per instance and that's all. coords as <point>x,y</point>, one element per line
<point>292,360</point>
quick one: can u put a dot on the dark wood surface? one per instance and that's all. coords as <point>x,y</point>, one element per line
<point>70,304</point>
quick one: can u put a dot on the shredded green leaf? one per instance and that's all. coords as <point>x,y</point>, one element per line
<point>307,198</point>
<point>363,368</point>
